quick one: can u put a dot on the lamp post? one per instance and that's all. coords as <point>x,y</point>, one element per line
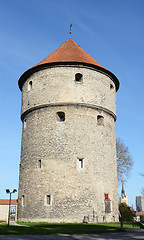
<point>8,191</point>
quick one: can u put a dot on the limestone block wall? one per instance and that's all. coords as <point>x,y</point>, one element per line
<point>58,85</point>
<point>67,167</point>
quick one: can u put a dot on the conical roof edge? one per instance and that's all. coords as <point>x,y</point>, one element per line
<point>68,53</point>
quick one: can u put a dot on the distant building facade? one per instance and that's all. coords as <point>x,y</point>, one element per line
<point>4,208</point>
<point>68,168</point>
<point>140,203</point>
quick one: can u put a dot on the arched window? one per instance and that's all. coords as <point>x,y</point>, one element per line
<point>78,77</point>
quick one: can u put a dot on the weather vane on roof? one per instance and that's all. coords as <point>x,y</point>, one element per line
<point>70,29</point>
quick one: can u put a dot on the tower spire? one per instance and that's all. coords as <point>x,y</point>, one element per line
<point>70,30</point>
<point>122,191</point>
<point>123,197</point>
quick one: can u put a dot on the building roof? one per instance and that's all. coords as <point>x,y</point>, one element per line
<point>6,201</point>
<point>68,53</point>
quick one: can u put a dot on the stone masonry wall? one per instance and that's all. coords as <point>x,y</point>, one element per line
<point>58,85</point>
<point>54,185</point>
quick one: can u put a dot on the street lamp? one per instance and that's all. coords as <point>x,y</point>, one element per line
<point>8,191</point>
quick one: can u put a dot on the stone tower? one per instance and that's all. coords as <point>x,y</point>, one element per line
<point>68,169</point>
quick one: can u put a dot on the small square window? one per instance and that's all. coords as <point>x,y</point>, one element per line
<point>61,116</point>
<point>100,120</point>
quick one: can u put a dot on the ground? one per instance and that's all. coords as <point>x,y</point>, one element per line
<point>128,235</point>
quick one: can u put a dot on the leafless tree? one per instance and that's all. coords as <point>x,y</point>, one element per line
<point>124,160</point>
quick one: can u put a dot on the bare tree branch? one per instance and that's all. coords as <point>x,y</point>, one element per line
<point>124,160</point>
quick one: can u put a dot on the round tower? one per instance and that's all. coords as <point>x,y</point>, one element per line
<point>68,168</point>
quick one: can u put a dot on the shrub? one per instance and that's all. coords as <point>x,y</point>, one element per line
<point>126,213</point>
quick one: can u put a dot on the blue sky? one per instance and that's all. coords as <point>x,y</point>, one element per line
<point>110,31</point>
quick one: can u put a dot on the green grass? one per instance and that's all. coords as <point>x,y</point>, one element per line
<point>63,228</point>
<point>81,225</point>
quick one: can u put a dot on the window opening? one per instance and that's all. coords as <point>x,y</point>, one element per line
<point>78,77</point>
<point>23,200</point>
<point>24,124</point>
<point>81,162</point>
<point>30,85</point>
<point>111,86</point>
<point>48,199</point>
<point>61,116</point>
<point>39,163</point>
<point>100,120</point>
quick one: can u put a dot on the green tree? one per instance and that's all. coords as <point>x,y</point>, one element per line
<point>124,160</point>
<point>126,213</point>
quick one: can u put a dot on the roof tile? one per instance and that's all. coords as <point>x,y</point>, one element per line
<point>69,51</point>
<point>6,201</point>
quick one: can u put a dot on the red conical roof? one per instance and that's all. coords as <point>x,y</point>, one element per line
<point>68,53</point>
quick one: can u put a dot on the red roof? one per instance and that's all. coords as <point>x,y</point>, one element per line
<point>6,201</point>
<point>69,52</point>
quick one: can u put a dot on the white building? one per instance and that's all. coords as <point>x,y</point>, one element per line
<point>4,208</point>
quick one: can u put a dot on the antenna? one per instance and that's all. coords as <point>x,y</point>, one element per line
<point>70,29</point>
